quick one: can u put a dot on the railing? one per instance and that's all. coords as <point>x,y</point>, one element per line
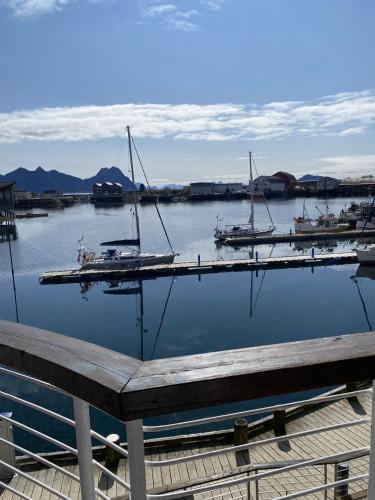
<point>130,391</point>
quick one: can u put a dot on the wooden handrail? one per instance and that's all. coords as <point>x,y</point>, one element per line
<point>130,389</point>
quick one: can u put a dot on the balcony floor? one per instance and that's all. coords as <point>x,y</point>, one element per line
<point>315,446</point>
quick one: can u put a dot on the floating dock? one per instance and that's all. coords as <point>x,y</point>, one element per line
<point>292,237</point>
<point>194,268</point>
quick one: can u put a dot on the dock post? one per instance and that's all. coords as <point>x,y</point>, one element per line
<point>199,260</point>
<point>256,256</point>
<point>241,433</point>
<point>290,232</point>
<point>279,422</point>
<point>341,473</point>
<point>371,479</point>
<point>110,455</point>
<point>312,253</point>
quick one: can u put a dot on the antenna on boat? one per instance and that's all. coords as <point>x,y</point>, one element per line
<point>251,219</point>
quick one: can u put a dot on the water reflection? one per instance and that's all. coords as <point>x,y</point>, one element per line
<point>364,271</point>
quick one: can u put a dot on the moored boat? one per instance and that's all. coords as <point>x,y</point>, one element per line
<point>248,230</point>
<point>114,258</point>
<point>326,223</point>
<point>366,256</point>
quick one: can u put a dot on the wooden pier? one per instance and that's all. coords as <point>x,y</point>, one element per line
<point>293,237</point>
<point>192,268</point>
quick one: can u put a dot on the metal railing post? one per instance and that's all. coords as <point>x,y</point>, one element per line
<point>371,479</point>
<point>84,448</point>
<point>136,451</point>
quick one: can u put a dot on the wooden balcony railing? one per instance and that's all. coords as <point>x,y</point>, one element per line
<point>131,390</point>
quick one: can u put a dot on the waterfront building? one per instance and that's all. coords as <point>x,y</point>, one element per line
<point>7,195</point>
<point>327,184</point>
<point>362,186</point>
<point>288,179</point>
<point>207,188</point>
<point>52,193</point>
<point>22,195</point>
<point>107,191</point>
<point>268,184</point>
<point>201,188</point>
<point>227,187</point>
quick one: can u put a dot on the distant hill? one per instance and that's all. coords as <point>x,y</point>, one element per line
<point>309,177</point>
<point>40,180</point>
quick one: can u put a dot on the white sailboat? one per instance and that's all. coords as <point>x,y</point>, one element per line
<point>244,230</point>
<point>114,258</point>
<point>366,256</point>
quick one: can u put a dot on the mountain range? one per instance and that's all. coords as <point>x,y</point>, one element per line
<point>40,180</point>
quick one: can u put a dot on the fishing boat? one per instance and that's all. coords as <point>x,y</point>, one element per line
<point>113,258</point>
<point>247,230</point>
<point>325,223</point>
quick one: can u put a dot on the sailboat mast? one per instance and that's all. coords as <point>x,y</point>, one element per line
<point>135,192</point>
<point>251,219</point>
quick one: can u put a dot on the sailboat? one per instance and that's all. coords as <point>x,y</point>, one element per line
<point>245,230</point>
<point>114,258</point>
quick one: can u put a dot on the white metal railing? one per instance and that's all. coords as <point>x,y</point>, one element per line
<point>138,465</point>
<point>218,484</point>
<point>83,451</point>
<point>241,482</point>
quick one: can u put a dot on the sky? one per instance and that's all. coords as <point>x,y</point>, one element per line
<point>200,83</point>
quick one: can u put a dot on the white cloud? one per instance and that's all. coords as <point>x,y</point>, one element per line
<point>170,16</point>
<point>213,4</point>
<point>336,115</point>
<point>347,165</point>
<point>29,8</point>
<point>158,10</point>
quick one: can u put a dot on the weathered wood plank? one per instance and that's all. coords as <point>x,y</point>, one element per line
<point>80,368</point>
<point>127,388</point>
<point>168,385</point>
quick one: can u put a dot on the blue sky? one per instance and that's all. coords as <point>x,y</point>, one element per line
<point>199,81</point>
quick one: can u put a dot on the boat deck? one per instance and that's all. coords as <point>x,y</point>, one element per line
<point>176,477</point>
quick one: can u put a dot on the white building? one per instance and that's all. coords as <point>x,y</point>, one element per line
<point>227,187</point>
<point>268,183</point>
<point>201,188</point>
<point>20,195</point>
<point>327,184</point>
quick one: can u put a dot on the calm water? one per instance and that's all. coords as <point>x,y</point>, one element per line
<point>184,315</point>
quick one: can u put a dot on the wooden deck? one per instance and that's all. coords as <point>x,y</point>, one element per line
<point>193,268</point>
<point>288,238</point>
<point>176,476</point>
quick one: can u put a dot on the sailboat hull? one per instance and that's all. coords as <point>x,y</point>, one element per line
<point>224,235</point>
<point>129,261</point>
<point>366,256</point>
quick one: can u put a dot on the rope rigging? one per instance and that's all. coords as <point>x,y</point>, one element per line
<point>265,201</point>
<point>152,194</point>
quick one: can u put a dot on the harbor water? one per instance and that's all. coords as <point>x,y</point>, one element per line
<point>185,315</point>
